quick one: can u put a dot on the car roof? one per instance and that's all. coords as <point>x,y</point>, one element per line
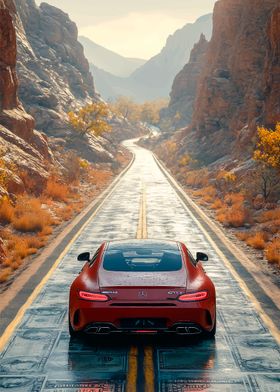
<point>143,243</point>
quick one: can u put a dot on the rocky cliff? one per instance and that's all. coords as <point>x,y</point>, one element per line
<point>53,71</point>
<point>239,87</point>
<point>272,70</point>
<point>19,143</point>
<point>184,88</point>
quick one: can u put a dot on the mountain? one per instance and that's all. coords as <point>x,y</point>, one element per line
<point>240,81</point>
<point>108,60</point>
<point>154,78</point>
<point>158,73</point>
<point>53,71</point>
<point>184,88</point>
<point>54,75</point>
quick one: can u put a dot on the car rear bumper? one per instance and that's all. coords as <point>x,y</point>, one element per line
<point>108,328</point>
<point>184,318</point>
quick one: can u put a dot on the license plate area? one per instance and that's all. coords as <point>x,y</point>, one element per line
<point>143,323</point>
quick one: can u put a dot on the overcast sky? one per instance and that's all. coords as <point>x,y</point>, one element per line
<point>133,28</point>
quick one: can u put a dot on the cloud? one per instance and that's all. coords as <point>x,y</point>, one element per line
<point>136,34</point>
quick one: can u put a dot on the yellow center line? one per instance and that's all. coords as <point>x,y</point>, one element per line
<point>149,373</point>
<point>142,233</point>
<point>131,382</point>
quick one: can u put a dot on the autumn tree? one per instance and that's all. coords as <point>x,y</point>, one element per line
<point>127,108</point>
<point>90,119</point>
<point>267,155</point>
<point>268,147</point>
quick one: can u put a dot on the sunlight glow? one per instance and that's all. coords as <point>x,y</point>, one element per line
<point>127,37</point>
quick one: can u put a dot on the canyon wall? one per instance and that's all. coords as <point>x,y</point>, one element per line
<point>239,84</point>
<point>53,71</point>
<point>19,143</point>
<point>184,88</point>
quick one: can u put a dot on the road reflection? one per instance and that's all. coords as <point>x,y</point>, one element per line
<point>107,358</point>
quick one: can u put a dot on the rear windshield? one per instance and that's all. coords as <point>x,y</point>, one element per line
<point>145,259</point>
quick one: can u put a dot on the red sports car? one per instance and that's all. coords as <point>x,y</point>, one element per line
<point>142,286</point>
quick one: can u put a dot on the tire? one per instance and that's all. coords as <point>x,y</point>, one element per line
<point>211,334</point>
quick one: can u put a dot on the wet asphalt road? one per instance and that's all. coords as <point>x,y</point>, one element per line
<point>41,357</point>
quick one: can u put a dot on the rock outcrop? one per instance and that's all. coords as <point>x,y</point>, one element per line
<point>53,71</point>
<point>239,87</point>
<point>272,70</point>
<point>184,89</point>
<point>19,143</point>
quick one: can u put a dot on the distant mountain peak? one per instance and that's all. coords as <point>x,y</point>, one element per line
<point>109,60</point>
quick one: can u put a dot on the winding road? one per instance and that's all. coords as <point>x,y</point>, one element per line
<point>38,355</point>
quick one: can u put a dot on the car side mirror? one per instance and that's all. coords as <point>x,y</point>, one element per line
<point>201,257</point>
<point>84,256</point>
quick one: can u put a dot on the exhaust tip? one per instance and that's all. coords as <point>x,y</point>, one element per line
<point>188,330</point>
<point>194,330</point>
<point>104,330</point>
<point>92,330</point>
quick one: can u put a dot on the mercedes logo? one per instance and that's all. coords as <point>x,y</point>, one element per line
<point>142,294</point>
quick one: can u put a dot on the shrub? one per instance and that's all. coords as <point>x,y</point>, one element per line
<point>217,205</point>
<point>257,241</point>
<point>198,178</point>
<point>233,217</point>
<point>29,216</point>
<point>5,273</point>
<point>56,191</point>
<point>66,213</point>
<point>272,251</point>
<point>234,198</point>
<point>6,211</point>
<point>271,215</point>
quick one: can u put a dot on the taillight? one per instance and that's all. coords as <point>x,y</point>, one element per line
<point>93,296</point>
<point>198,296</point>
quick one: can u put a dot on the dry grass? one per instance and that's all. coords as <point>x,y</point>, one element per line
<point>232,199</point>
<point>217,205</point>
<point>272,251</point>
<point>5,273</point>
<point>233,217</point>
<point>270,216</point>
<point>66,212</point>
<point>29,216</point>
<point>56,190</point>
<point>197,178</point>
<point>6,211</point>
<point>257,241</point>
<point>99,177</point>
<point>242,235</point>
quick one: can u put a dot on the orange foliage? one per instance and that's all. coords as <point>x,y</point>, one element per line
<point>218,204</point>
<point>6,211</point>
<point>29,216</point>
<point>234,198</point>
<point>198,178</point>
<point>233,217</point>
<point>257,241</point>
<point>56,191</point>
<point>5,273</point>
<point>272,251</point>
<point>271,215</point>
